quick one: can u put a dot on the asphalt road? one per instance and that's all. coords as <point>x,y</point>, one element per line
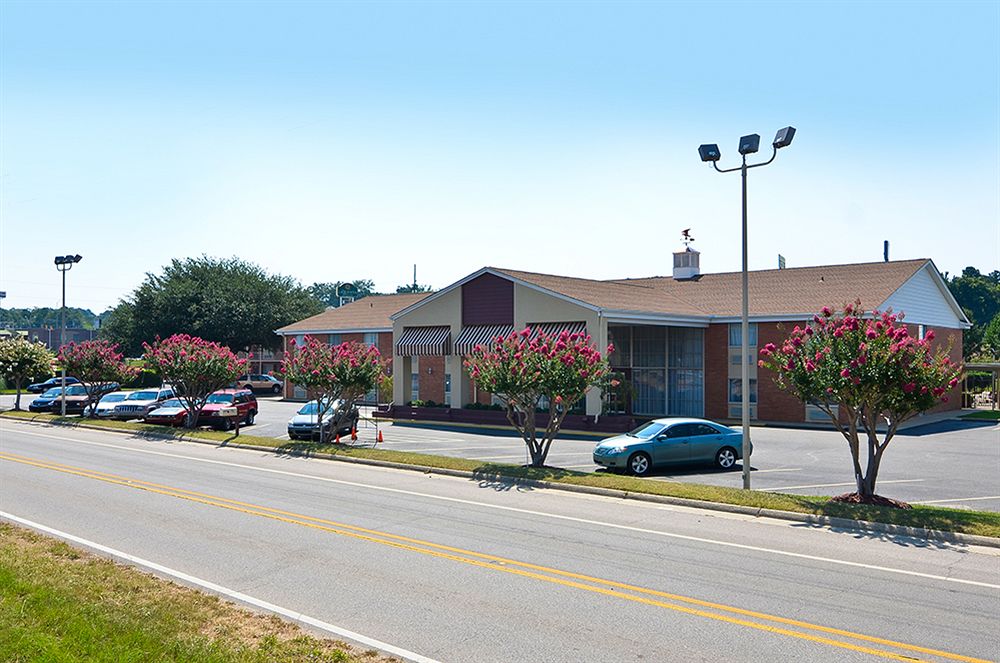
<point>461,570</point>
<point>950,463</point>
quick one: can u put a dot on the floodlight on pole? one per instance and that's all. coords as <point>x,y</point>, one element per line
<point>748,145</point>
<point>64,264</point>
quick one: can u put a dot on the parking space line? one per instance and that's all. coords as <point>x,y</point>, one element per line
<point>958,499</point>
<point>779,469</point>
<point>835,485</point>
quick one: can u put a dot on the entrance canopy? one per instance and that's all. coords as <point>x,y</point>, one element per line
<point>424,342</point>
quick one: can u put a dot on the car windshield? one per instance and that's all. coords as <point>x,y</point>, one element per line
<point>76,390</point>
<point>173,402</point>
<point>647,431</point>
<point>220,398</point>
<point>142,396</point>
<point>113,398</point>
<point>312,407</point>
<point>52,393</point>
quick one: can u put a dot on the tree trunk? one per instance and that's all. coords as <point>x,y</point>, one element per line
<point>17,398</point>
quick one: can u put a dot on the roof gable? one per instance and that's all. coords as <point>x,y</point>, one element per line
<point>371,313</point>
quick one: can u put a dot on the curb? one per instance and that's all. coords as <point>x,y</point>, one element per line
<point>757,512</point>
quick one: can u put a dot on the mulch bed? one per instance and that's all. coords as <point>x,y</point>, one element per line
<point>874,500</point>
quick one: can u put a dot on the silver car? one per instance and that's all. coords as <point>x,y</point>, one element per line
<point>304,424</point>
<point>105,408</point>
<point>670,441</point>
<point>137,404</point>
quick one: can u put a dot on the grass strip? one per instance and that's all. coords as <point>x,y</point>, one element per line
<point>58,603</point>
<point>982,523</point>
<point>988,415</point>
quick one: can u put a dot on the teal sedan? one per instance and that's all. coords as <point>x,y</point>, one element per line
<point>669,441</point>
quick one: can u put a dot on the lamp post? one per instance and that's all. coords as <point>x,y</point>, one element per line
<point>64,264</point>
<point>748,145</point>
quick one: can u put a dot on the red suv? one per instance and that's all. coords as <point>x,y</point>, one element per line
<point>242,399</point>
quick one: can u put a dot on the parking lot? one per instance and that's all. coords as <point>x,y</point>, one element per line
<point>949,463</point>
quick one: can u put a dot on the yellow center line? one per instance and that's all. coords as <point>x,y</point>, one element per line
<point>525,569</point>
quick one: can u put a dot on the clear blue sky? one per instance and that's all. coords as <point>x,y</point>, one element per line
<point>336,141</point>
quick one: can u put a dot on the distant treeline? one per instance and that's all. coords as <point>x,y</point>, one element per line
<point>26,318</point>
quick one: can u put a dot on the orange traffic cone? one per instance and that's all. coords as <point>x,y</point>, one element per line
<point>354,435</point>
<point>337,441</point>
<point>380,436</point>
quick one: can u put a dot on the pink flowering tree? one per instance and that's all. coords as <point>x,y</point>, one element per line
<point>862,371</point>
<point>97,365</point>
<point>194,368</point>
<point>528,373</point>
<point>20,361</point>
<point>334,375</point>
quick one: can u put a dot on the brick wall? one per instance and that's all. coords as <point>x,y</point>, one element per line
<point>774,404</point>
<point>717,371</point>
<point>432,382</point>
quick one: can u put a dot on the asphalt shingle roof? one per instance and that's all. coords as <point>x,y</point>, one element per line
<point>370,312</point>
<point>798,290</point>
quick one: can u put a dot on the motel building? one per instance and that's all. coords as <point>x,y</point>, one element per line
<point>677,338</point>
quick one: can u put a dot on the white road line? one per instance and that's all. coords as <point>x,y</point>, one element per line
<point>958,499</point>
<point>780,469</point>
<point>225,591</point>
<point>835,485</point>
<point>542,514</point>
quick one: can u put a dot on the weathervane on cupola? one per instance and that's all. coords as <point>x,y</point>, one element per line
<point>686,262</point>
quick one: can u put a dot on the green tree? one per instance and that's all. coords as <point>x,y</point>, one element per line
<point>412,287</point>
<point>228,301</point>
<point>98,365</point>
<point>529,372</point>
<point>991,339</point>
<point>336,376</point>
<point>979,297</point>
<point>862,372</point>
<point>21,360</point>
<point>194,368</point>
<point>327,292</point>
<point>26,318</point>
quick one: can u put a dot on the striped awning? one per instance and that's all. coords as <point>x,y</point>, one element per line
<point>556,328</point>
<point>424,342</point>
<point>474,335</point>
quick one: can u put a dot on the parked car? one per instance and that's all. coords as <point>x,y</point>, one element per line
<point>260,383</point>
<point>304,424</point>
<point>171,412</point>
<point>50,401</point>
<point>669,441</point>
<point>242,399</point>
<point>40,387</point>
<point>137,404</point>
<point>105,407</point>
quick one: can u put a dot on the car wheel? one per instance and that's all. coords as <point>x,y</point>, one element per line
<point>276,389</point>
<point>226,424</point>
<point>726,458</point>
<point>640,464</point>
<point>250,415</point>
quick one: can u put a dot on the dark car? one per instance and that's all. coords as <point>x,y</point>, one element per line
<point>242,399</point>
<point>76,400</point>
<point>39,387</point>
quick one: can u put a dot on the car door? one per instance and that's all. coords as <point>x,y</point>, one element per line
<point>672,445</point>
<point>705,442</point>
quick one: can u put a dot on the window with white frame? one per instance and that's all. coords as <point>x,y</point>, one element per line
<point>736,335</point>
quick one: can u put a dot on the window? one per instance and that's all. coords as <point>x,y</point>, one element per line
<point>447,389</point>
<point>736,335</point>
<point>685,388</point>
<point>736,390</point>
<point>414,386</point>
<point>334,339</point>
<point>371,338</point>
<point>650,347</point>
<point>703,429</point>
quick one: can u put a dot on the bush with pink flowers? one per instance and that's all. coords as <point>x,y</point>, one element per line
<point>97,365</point>
<point>343,373</point>
<point>525,371</point>
<point>194,368</point>
<point>871,370</point>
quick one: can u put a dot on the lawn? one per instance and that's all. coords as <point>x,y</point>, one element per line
<point>988,415</point>
<point>58,603</point>
<point>983,523</point>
